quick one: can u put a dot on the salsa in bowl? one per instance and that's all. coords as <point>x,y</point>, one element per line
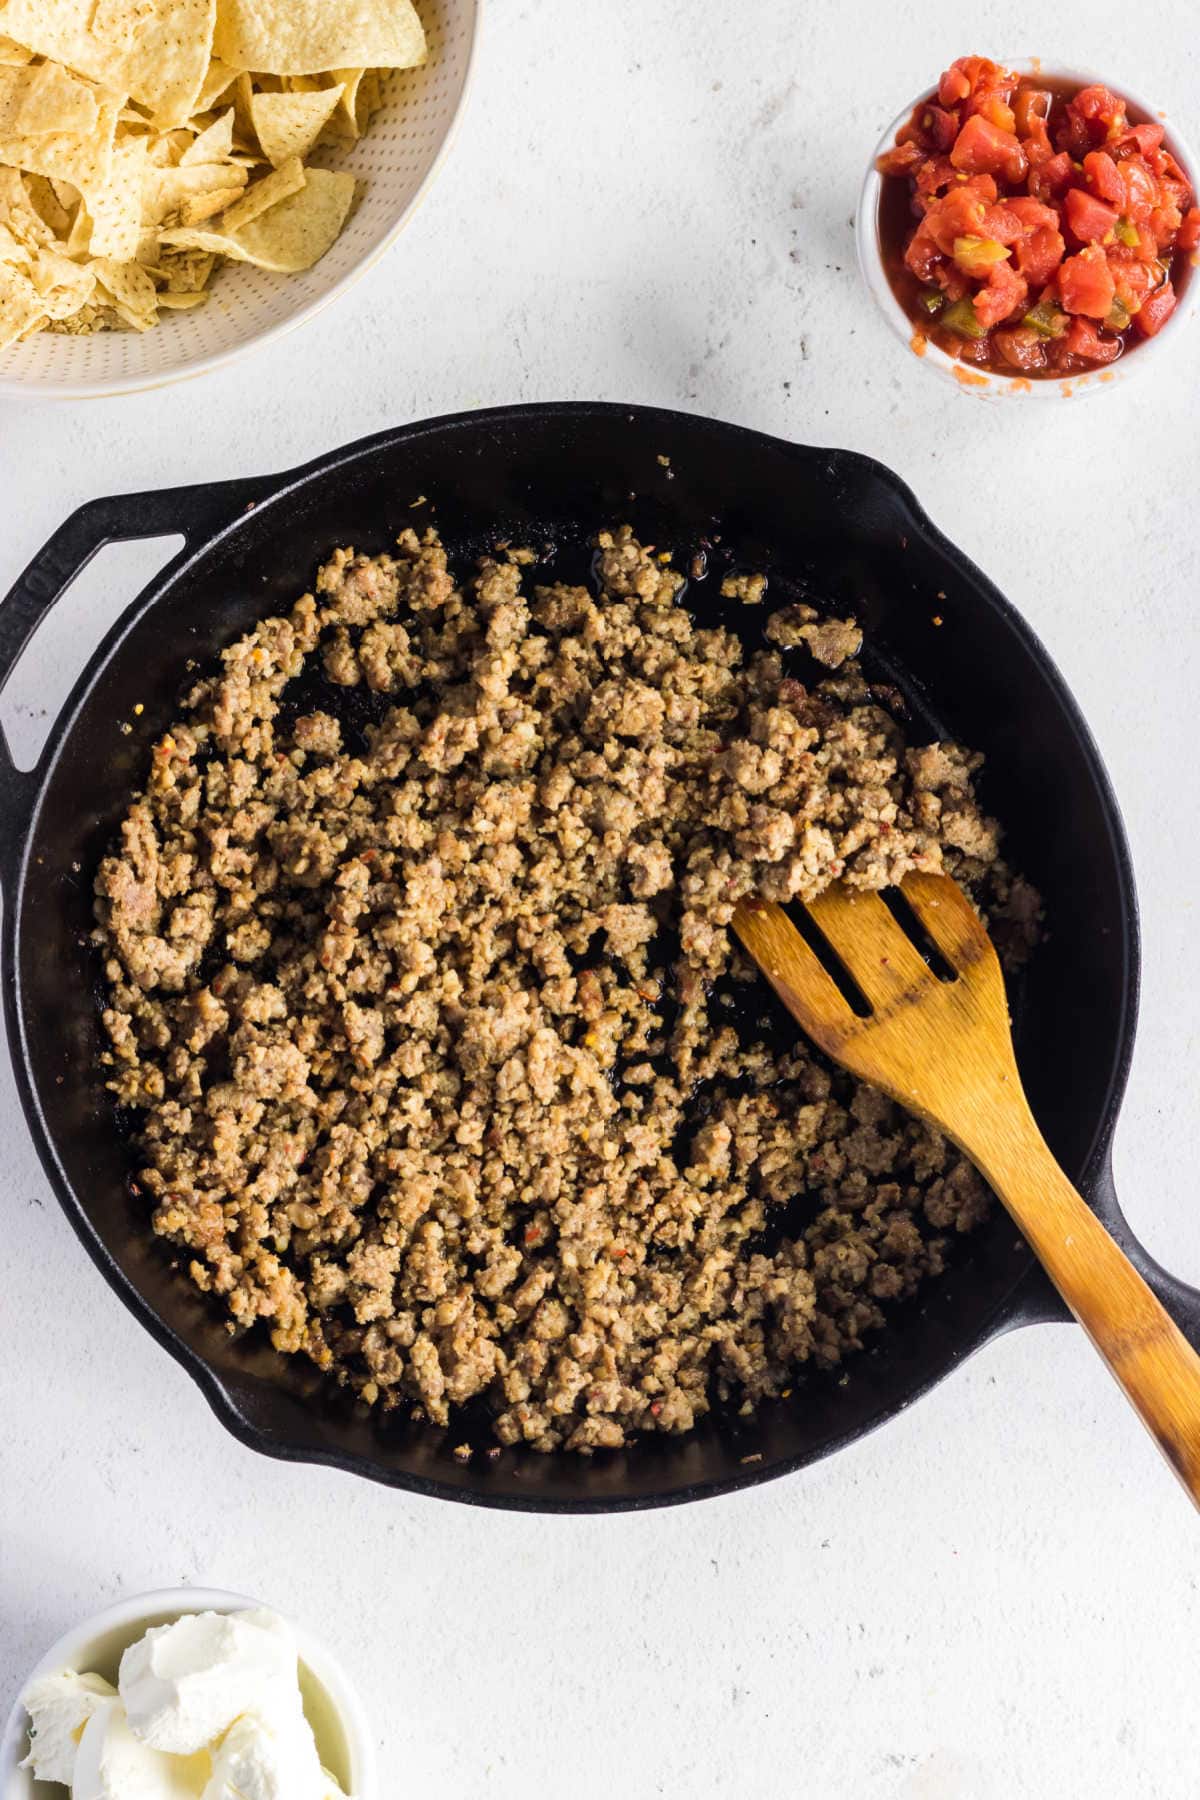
<point>1020,227</point>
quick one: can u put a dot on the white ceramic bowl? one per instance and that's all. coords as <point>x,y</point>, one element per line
<point>985,382</point>
<point>333,1708</point>
<point>397,158</point>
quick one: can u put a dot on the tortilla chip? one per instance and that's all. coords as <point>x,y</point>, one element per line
<point>297,233</point>
<point>45,97</point>
<point>157,50</point>
<point>368,99</point>
<point>185,271</point>
<point>169,302</point>
<point>22,308</point>
<point>131,290</point>
<point>12,250</point>
<point>79,242</point>
<point>200,207</point>
<point>48,206</point>
<point>344,123</point>
<point>288,125</point>
<point>20,215</point>
<point>264,194</point>
<point>86,162</point>
<point>14,55</point>
<point>298,37</point>
<point>213,144</point>
<point>116,210</point>
<point>168,191</point>
<point>292,235</point>
<point>64,286</point>
<point>166,152</point>
<point>218,79</point>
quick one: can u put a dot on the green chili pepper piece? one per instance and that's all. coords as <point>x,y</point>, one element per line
<point>1047,319</point>
<point>963,320</point>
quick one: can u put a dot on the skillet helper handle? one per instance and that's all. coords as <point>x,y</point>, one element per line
<point>196,512</point>
<point>1151,1359</point>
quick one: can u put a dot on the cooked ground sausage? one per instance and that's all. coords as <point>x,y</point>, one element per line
<point>428,1035</point>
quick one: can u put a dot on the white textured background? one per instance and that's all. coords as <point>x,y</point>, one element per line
<point>997,1596</point>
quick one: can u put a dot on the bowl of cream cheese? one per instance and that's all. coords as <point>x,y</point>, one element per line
<point>187,1694</point>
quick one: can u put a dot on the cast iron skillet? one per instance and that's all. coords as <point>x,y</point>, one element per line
<point>835,524</point>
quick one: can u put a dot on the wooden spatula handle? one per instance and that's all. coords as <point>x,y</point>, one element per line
<point>1146,1351</point>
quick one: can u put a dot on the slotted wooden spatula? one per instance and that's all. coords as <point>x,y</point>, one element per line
<point>943,1049</point>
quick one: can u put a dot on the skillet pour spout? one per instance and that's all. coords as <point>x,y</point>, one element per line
<point>836,527</point>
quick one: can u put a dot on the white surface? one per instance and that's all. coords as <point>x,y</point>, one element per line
<point>396,162</point>
<point>997,1596</point>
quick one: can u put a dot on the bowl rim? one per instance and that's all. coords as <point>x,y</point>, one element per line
<point>71,1648</point>
<point>13,388</point>
<point>994,383</point>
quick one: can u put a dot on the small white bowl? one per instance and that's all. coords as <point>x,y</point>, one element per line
<point>333,1708</point>
<point>987,383</point>
<point>397,159</point>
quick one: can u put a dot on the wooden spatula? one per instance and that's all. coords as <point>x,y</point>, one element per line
<point>943,1049</point>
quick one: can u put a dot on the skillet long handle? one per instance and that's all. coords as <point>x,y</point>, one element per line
<point>1154,1363</point>
<point>195,512</point>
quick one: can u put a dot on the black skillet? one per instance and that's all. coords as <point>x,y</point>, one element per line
<point>836,526</point>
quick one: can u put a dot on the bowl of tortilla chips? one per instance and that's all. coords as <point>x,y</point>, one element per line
<point>183,179</point>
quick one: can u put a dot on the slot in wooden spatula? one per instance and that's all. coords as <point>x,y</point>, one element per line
<point>943,1049</point>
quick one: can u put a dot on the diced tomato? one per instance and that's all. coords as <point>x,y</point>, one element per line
<point>954,85</point>
<point>1031,213</point>
<point>922,254</point>
<point>1101,111</point>
<point>1141,190</point>
<point>1039,254</point>
<point>1171,176</point>
<point>1154,312</point>
<point>1073,138</point>
<point>1103,177</point>
<point>1004,291</point>
<point>1051,179</point>
<point>984,187</point>
<point>930,127</point>
<point>940,127</point>
<point>1036,140</point>
<point>1022,348</point>
<point>960,214</point>
<point>984,79</point>
<point>1147,137</point>
<point>982,148</point>
<point>1084,340</point>
<point>950,278</point>
<point>901,160</point>
<point>935,173</point>
<point>1133,277</point>
<point>1031,108</point>
<point>1021,198</point>
<point>995,109</point>
<point>1002,222</point>
<point>1085,283</point>
<point>1163,223</point>
<point>1090,219</point>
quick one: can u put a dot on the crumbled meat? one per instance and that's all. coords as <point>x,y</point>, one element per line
<point>426,1037</point>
